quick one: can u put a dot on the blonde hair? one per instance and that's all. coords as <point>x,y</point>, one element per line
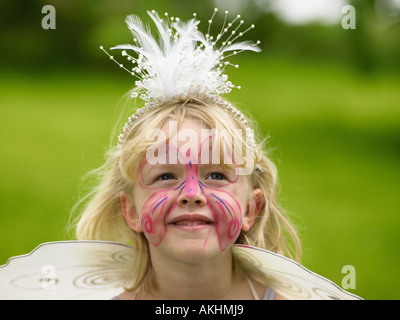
<point>102,217</point>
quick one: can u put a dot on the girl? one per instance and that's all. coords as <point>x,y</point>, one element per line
<point>183,218</point>
<point>187,180</point>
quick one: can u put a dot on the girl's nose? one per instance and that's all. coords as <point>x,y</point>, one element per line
<point>192,195</point>
<point>198,200</point>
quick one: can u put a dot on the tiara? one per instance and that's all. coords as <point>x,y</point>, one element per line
<point>181,62</point>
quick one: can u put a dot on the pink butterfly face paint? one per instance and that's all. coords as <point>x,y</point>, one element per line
<point>219,210</point>
<point>192,200</point>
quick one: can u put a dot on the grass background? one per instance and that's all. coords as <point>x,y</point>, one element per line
<point>334,135</point>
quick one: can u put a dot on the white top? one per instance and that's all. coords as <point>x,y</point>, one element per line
<point>269,294</point>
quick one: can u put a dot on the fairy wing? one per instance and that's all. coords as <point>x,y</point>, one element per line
<point>65,270</point>
<point>287,277</point>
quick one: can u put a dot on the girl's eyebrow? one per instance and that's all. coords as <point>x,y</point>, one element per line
<point>166,166</point>
<point>225,168</point>
<point>212,165</point>
<point>148,168</point>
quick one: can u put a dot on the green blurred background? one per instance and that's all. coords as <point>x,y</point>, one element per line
<point>329,99</point>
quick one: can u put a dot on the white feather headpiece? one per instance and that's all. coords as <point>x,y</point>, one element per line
<point>182,61</point>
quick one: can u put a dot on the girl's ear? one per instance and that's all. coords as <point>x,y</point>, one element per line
<point>130,214</point>
<point>253,209</point>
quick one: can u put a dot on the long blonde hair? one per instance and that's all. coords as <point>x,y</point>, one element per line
<point>102,218</point>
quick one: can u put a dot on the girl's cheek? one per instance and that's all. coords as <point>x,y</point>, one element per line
<point>153,215</point>
<point>227,215</point>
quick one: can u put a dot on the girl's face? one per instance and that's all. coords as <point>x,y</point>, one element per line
<point>189,208</point>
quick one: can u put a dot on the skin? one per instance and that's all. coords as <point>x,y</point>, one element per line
<point>226,212</point>
<point>191,214</point>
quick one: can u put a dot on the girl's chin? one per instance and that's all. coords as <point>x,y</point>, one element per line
<point>190,250</point>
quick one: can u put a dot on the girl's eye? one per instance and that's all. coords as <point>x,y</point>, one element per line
<point>217,176</point>
<point>166,176</point>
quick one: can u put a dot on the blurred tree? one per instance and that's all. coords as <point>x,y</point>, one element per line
<point>375,43</point>
<point>82,26</point>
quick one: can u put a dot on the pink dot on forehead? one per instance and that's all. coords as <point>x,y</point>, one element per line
<point>191,188</point>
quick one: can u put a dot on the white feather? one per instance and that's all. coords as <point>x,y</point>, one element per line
<point>181,61</point>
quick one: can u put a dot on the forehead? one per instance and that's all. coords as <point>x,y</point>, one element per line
<point>172,128</point>
<point>190,136</point>
<point>192,141</point>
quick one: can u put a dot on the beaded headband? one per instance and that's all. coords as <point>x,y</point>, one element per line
<point>181,62</point>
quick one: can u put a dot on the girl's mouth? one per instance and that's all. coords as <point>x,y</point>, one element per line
<point>191,222</point>
<point>191,218</point>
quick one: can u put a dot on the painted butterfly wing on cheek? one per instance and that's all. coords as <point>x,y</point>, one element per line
<point>154,212</point>
<point>227,216</point>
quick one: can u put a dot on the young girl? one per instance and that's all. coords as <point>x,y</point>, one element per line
<point>187,180</point>
<point>189,185</point>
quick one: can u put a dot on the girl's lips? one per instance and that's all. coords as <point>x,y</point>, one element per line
<point>191,219</point>
<point>190,226</point>
<point>191,222</point>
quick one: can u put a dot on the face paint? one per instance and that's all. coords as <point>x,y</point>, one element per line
<point>225,209</point>
<point>227,215</point>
